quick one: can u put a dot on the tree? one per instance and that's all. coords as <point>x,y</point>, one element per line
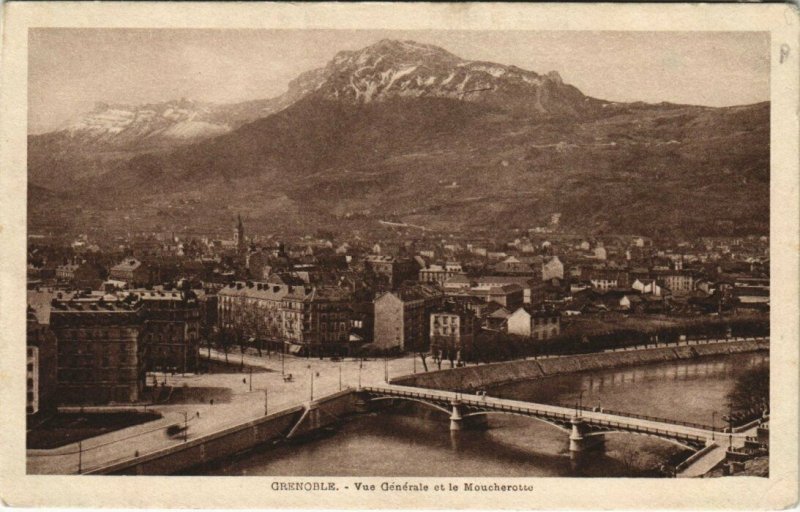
<point>224,340</point>
<point>241,340</point>
<point>749,397</point>
<point>422,356</point>
<point>631,458</point>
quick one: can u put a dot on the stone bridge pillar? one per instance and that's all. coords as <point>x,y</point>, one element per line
<point>460,421</point>
<point>456,420</point>
<point>581,438</point>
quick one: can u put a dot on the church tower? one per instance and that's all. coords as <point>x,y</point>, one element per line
<point>238,235</point>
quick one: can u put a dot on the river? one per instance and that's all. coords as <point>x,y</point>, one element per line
<point>412,440</point>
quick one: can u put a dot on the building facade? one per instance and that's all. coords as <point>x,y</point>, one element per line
<point>389,272</point>
<point>453,326</point>
<point>132,271</point>
<point>99,346</point>
<point>460,285</point>
<point>172,330</point>
<point>679,282</point>
<point>552,269</point>
<point>79,275</point>
<point>295,318</point>
<point>401,318</point>
<point>438,274</point>
<point>537,325</point>
<point>41,369</point>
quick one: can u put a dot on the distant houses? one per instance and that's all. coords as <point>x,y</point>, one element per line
<point>80,274</point>
<point>131,271</point>
<point>534,324</point>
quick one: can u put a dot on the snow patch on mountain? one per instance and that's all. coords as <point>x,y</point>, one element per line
<point>400,74</point>
<point>194,130</point>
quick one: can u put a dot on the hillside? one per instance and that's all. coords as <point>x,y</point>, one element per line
<point>369,138</point>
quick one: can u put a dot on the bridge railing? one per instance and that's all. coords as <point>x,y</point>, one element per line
<point>690,424</point>
<point>532,410</point>
<point>629,427</point>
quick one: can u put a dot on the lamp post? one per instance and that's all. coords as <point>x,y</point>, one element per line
<point>266,401</point>
<point>360,365</point>
<point>185,426</point>
<point>340,375</point>
<point>80,457</point>
<point>251,378</point>
<point>730,425</point>
<point>386,368</point>
<point>312,382</point>
<point>713,423</point>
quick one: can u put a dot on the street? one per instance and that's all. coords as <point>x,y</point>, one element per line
<point>311,378</point>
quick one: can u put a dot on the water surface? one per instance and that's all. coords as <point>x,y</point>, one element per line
<point>412,440</point>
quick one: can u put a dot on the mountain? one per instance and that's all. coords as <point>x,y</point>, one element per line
<point>94,142</point>
<point>410,132</point>
<point>397,69</point>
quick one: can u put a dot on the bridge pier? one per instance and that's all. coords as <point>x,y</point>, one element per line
<point>581,439</point>
<point>456,420</point>
<point>460,421</point>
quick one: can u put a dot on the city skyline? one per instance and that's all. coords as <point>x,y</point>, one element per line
<point>136,66</point>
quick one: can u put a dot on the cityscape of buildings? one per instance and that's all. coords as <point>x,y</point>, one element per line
<point>101,318</point>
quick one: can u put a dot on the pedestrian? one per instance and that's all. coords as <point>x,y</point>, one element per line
<point>244,381</point>
<point>198,414</point>
<point>212,401</point>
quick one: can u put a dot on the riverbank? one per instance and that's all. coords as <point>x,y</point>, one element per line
<point>494,374</point>
<point>379,443</point>
<point>319,414</point>
<point>294,423</point>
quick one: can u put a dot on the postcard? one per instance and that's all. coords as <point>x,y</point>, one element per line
<point>399,256</point>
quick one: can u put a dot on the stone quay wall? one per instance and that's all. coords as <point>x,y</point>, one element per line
<point>476,377</point>
<point>237,439</point>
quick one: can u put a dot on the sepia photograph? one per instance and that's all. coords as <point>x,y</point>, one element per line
<point>389,256</point>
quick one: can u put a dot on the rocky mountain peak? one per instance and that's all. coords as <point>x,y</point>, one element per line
<point>396,52</point>
<point>391,68</point>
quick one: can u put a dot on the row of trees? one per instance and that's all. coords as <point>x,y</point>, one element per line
<point>749,397</point>
<point>490,346</point>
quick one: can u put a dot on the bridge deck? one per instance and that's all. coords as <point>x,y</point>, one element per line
<point>554,412</point>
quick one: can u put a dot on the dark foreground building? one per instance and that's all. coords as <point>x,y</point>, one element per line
<point>99,350</point>
<point>41,369</point>
<point>172,330</point>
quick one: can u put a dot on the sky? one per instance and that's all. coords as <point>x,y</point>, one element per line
<point>69,70</point>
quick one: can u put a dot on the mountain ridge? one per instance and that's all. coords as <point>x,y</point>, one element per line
<point>387,132</point>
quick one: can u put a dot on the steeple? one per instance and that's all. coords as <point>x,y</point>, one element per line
<point>238,235</point>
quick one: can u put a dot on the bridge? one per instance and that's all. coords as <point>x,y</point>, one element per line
<point>586,427</point>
